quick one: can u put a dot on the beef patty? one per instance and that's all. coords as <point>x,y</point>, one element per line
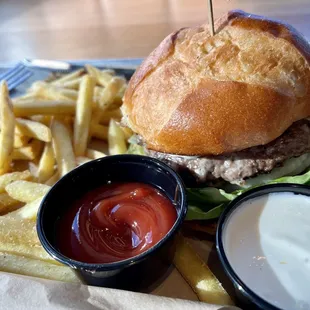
<point>236,167</point>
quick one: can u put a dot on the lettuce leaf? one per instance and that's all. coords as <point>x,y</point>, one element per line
<point>135,149</point>
<point>208,203</point>
<point>195,213</point>
<point>207,195</point>
<point>297,179</point>
<point>291,167</point>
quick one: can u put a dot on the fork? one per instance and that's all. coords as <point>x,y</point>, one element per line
<point>16,76</point>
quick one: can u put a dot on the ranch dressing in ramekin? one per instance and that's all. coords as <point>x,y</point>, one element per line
<point>267,243</point>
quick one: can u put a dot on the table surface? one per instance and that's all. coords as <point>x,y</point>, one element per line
<point>94,29</point>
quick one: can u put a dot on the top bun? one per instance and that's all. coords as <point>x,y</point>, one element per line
<point>199,95</point>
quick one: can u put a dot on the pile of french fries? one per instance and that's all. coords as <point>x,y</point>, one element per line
<point>56,126</point>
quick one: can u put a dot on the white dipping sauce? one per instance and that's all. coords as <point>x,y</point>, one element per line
<point>267,242</point>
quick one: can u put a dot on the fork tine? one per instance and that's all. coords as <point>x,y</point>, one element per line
<point>20,79</point>
<point>16,75</point>
<point>6,75</point>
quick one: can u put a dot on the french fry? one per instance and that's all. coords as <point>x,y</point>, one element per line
<point>26,97</point>
<point>116,138</point>
<point>10,231</point>
<point>127,132</point>
<point>25,244</point>
<point>63,149</point>
<point>46,164</point>
<point>7,203</point>
<point>28,211</point>
<point>53,76</point>
<point>20,140</point>
<point>8,178</point>
<point>53,179</point>
<point>36,268</point>
<point>121,93</point>
<point>68,121</point>
<point>14,225</point>
<point>51,92</point>
<point>103,77</point>
<point>198,275</point>
<point>99,131</point>
<point>83,115</point>
<point>118,99</point>
<point>107,97</point>
<point>82,160</point>
<point>46,91</point>
<point>97,93</point>
<point>25,250</point>
<point>7,129</point>
<point>29,152</point>
<point>33,129</point>
<point>68,77</point>
<point>94,154</point>
<point>69,93</point>
<point>117,102</point>
<point>73,84</point>
<point>29,108</point>
<point>60,124</point>
<point>33,168</point>
<point>107,115</point>
<point>43,119</point>
<point>26,191</point>
<point>110,92</point>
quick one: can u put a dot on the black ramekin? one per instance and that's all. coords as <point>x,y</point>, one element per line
<point>246,297</point>
<point>130,273</point>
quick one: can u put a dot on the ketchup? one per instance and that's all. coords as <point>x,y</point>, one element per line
<point>115,222</point>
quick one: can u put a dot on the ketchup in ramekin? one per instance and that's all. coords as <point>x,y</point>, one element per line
<point>115,222</point>
<point>114,219</point>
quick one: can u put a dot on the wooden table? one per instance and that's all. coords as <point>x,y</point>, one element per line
<point>83,29</point>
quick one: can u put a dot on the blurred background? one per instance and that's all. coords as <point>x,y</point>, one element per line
<point>93,29</point>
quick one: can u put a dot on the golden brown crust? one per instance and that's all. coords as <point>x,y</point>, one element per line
<point>276,28</point>
<point>165,48</point>
<point>198,95</point>
<point>269,113</point>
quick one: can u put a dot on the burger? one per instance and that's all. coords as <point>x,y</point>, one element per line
<point>228,111</point>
